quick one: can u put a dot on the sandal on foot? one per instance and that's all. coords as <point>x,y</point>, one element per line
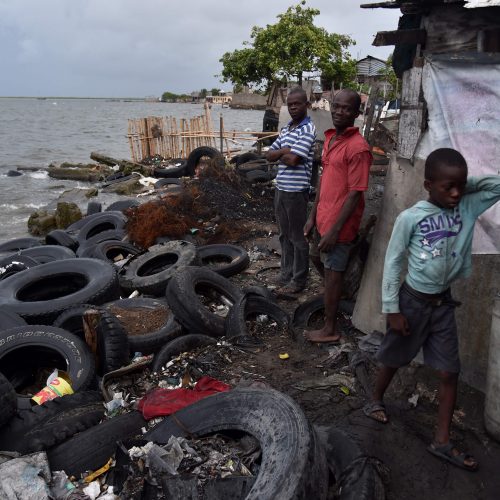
<point>371,408</point>
<point>445,453</point>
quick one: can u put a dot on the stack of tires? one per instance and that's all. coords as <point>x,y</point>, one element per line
<point>254,167</point>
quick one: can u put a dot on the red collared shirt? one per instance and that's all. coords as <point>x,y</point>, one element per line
<point>346,167</point>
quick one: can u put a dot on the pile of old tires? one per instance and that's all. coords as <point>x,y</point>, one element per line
<point>46,289</point>
<point>254,167</point>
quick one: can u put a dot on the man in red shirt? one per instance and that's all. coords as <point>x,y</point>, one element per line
<point>339,204</point>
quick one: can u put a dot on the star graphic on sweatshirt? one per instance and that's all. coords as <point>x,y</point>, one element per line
<point>436,253</point>
<point>425,242</point>
<point>423,255</point>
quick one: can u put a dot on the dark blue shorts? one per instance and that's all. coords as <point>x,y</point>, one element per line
<point>432,328</point>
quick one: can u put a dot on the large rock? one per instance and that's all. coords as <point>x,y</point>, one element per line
<point>86,172</point>
<point>41,223</point>
<point>66,214</point>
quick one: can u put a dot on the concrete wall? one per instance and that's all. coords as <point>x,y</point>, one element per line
<point>404,186</point>
<point>248,101</point>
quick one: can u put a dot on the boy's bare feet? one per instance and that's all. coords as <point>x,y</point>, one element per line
<point>323,336</point>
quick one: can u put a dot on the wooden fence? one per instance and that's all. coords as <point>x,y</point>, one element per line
<point>170,137</point>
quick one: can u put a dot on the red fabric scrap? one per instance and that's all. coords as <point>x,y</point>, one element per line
<point>161,402</point>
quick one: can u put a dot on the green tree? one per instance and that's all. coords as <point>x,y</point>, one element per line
<point>287,50</point>
<point>203,93</point>
<point>215,91</point>
<point>169,97</point>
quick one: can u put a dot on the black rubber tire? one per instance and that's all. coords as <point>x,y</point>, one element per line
<point>246,157</point>
<point>260,165</point>
<point>46,425</point>
<point>179,170</point>
<point>112,343</point>
<point>71,319</point>
<point>249,305</point>
<point>42,293</point>
<point>197,153</point>
<point>48,253</point>
<point>186,304</point>
<point>149,342</point>
<point>178,346</point>
<point>39,344</point>
<point>229,259</point>
<point>8,403</point>
<point>94,207</point>
<point>9,319</point>
<point>356,476</point>
<point>122,205</point>
<point>62,238</point>
<point>116,179</point>
<point>261,291</point>
<point>13,264</point>
<point>260,176</point>
<point>92,448</point>
<point>293,465</point>
<point>303,313</point>
<point>108,235</point>
<point>100,222</point>
<point>18,244</point>
<point>150,272</point>
<point>109,250</point>
<point>167,181</point>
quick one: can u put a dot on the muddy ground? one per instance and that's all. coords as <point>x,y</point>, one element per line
<point>408,470</point>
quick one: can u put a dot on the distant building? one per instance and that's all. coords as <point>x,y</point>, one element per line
<point>222,98</point>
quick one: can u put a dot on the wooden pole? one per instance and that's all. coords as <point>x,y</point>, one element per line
<point>221,133</point>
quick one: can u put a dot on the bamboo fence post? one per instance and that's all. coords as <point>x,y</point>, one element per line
<point>176,139</point>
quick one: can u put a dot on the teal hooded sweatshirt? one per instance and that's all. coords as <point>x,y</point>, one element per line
<point>437,242</point>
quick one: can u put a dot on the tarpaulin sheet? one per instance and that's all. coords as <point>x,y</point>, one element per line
<point>162,402</point>
<point>463,101</point>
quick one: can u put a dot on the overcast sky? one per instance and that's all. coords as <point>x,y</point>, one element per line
<point>135,48</point>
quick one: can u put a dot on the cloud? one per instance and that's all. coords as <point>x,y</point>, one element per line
<point>129,48</point>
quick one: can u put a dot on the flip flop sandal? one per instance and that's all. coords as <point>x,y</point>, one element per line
<point>373,406</point>
<point>444,452</point>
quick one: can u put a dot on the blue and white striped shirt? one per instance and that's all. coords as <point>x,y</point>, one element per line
<point>300,140</point>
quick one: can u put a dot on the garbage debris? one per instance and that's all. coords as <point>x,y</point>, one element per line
<point>58,384</point>
<point>336,379</point>
<point>162,402</point>
<point>25,478</point>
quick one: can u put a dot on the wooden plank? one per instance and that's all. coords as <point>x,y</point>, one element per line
<point>411,120</point>
<point>412,36</point>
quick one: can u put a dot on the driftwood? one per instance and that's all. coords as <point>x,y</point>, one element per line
<point>106,160</point>
<point>91,318</point>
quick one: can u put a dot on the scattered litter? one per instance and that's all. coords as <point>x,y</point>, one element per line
<point>370,343</point>
<point>93,490</point>
<point>25,478</point>
<point>413,400</point>
<point>335,380</point>
<point>99,472</point>
<point>284,355</point>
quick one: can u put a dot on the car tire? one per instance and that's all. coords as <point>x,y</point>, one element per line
<point>293,463</point>
<point>179,345</point>
<point>198,153</point>
<point>112,343</point>
<point>13,264</point>
<point>62,238</point>
<point>187,306</point>
<point>150,272</point>
<point>110,249</point>
<point>97,223</point>
<point>122,205</point>
<point>226,260</point>
<point>46,344</point>
<point>43,426</point>
<point>48,253</point>
<point>42,293</point>
<point>18,244</point>
<point>9,319</point>
<point>92,448</point>
<point>150,342</point>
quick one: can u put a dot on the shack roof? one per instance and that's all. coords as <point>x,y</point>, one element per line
<point>397,4</point>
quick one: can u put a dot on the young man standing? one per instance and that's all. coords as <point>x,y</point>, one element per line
<point>293,149</point>
<point>339,205</point>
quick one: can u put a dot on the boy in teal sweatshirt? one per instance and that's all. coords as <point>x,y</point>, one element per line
<point>436,237</point>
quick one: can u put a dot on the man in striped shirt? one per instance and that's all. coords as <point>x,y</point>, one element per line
<point>293,149</point>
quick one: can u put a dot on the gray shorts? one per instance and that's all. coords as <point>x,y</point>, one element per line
<point>337,259</point>
<point>432,328</point>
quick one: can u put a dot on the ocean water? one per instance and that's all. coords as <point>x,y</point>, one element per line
<point>38,132</point>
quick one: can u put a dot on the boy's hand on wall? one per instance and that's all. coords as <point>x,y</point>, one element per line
<point>398,323</point>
